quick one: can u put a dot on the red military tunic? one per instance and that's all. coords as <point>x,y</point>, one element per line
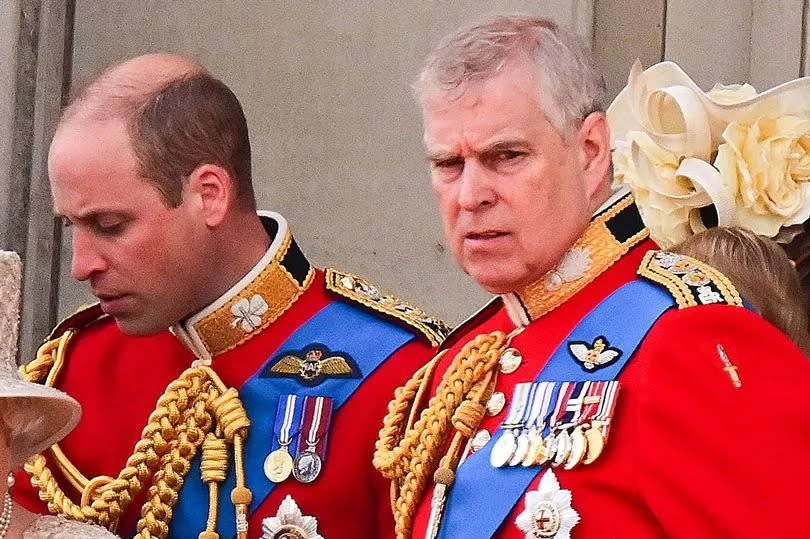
<point>118,379</point>
<point>689,454</point>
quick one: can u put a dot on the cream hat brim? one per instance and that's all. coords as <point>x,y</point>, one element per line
<point>36,416</point>
<point>637,106</point>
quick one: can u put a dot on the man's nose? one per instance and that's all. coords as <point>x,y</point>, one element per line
<point>477,187</point>
<point>86,259</point>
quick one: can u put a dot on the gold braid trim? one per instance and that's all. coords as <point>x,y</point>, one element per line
<point>193,407</point>
<point>409,455</point>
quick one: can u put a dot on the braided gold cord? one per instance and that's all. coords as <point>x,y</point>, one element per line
<point>409,457</point>
<point>192,406</point>
<point>406,401</point>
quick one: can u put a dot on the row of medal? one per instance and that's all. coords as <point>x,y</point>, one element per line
<point>563,424</point>
<point>300,433</point>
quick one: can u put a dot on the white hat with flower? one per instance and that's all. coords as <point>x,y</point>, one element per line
<point>728,156</point>
<point>34,416</point>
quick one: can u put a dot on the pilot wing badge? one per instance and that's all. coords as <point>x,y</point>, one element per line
<point>312,365</point>
<point>597,354</point>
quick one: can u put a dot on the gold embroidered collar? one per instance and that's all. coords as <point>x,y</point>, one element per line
<point>612,232</point>
<point>253,303</point>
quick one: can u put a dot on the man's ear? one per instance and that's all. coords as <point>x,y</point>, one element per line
<point>212,189</point>
<point>593,142</point>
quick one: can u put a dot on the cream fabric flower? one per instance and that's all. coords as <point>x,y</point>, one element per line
<point>668,132</point>
<point>768,162</point>
<point>667,199</point>
<point>732,93</point>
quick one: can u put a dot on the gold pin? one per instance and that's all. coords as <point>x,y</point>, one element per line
<point>730,368</point>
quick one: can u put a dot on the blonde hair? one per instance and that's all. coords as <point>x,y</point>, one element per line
<point>761,271</point>
<point>568,79</point>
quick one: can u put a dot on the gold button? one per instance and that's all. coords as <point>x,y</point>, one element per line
<point>496,403</point>
<point>510,360</point>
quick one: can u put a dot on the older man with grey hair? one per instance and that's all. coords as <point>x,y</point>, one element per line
<point>610,389</point>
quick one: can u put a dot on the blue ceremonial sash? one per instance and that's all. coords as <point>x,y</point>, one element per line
<point>339,326</point>
<point>482,496</point>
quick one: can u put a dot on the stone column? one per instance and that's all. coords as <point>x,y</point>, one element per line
<point>36,67</point>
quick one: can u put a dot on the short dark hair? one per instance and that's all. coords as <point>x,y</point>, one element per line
<point>187,123</point>
<point>175,127</point>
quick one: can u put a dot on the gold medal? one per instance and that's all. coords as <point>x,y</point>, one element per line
<point>503,449</point>
<point>535,451</point>
<point>549,448</point>
<point>579,446</point>
<point>278,465</point>
<point>511,359</point>
<point>596,443</point>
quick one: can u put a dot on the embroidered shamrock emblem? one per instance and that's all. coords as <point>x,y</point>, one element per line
<point>248,313</point>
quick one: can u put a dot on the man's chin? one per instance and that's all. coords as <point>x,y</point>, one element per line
<point>502,282</point>
<point>494,283</point>
<point>136,327</point>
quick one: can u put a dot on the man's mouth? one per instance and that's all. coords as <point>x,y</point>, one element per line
<point>112,304</point>
<point>485,235</point>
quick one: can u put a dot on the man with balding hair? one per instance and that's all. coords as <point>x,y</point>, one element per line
<point>246,380</point>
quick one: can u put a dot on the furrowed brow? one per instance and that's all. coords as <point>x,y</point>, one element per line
<point>505,144</point>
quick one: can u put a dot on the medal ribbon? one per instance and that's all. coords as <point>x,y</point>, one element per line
<point>539,411</point>
<point>315,424</point>
<point>288,413</point>
<point>607,406</point>
<point>530,404</point>
<point>573,405</point>
<point>596,396</point>
<point>566,388</point>
<point>517,408</point>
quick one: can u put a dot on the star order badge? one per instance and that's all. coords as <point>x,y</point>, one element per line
<point>312,365</point>
<point>290,523</point>
<point>597,354</point>
<point>548,511</point>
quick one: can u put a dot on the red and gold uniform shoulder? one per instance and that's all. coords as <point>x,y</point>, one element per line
<point>721,436</point>
<point>116,378</point>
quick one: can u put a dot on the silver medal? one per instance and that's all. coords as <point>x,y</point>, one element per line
<point>563,448</point>
<point>521,449</point>
<point>307,466</point>
<point>503,449</point>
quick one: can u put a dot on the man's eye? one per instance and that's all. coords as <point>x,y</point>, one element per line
<point>447,163</point>
<point>509,155</point>
<point>110,228</point>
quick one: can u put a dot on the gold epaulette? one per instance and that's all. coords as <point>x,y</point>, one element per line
<point>361,291</point>
<point>690,281</point>
<point>84,315</point>
<point>45,367</point>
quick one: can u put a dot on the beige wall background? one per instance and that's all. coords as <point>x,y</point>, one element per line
<point>335,132</point>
